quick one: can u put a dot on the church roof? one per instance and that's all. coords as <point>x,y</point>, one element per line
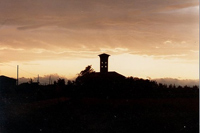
<point>108,75</point>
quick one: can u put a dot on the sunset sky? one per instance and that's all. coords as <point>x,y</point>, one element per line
<point>145,38</point>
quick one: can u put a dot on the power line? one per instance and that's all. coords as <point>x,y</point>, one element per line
<point>19,69</point>
<point>27,72</point>
<point>8,65</point>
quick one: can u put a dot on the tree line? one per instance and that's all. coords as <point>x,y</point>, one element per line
<point>87,86</point>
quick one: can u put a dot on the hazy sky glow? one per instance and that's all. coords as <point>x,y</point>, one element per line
<point>151,38</point>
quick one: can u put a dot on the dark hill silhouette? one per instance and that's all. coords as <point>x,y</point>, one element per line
<point>114,85</point>
<point>95,103</point>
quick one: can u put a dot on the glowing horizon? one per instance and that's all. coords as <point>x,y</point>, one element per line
<point>127,65</point>
<point>151,39</point>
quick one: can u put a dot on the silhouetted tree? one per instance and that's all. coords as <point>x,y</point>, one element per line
<point>179,87</point>
<point>195,87</point>
<point>170,86</point>
<point>61,82</point>
<point>86,71</point>
<point>30,81</point>
<point>82,76</point>
<point>69,82</point>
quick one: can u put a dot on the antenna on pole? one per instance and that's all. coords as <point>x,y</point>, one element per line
<point>17,75</point>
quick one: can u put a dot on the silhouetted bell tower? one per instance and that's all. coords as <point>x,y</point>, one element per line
<point>104,63</point>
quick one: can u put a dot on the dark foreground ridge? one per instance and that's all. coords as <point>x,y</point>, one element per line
<point>99,105</point>
<point>102,115</point>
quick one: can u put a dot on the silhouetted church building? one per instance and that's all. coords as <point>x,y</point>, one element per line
<point>104,68</point>
<point>104,74</point>
<point>103,83</point>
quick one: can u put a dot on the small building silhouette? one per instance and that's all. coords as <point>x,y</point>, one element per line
<point>7,83</point>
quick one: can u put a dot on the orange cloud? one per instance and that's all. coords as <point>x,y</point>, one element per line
<point>68,29</point>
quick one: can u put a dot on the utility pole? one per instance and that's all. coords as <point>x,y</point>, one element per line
<point>17,75</point>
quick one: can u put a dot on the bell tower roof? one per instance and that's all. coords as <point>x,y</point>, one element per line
<point>104,55</point>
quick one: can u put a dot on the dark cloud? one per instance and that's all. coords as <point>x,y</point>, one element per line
<point>23,12</point>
